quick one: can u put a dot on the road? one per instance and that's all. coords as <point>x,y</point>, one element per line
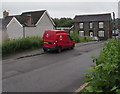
<point>49,72</point>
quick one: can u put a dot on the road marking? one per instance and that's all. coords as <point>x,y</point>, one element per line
<point>81,88</point>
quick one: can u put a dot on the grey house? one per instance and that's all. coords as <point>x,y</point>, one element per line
<point>32,23</point>
<point>99,25</point>
<point>117,27</point>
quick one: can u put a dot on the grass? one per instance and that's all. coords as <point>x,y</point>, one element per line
<point>12,46</point>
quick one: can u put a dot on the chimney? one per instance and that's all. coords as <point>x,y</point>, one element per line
<point>5,14</point>
<point>29,19</point>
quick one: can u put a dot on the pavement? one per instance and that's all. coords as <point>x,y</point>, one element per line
<point>29,53</point>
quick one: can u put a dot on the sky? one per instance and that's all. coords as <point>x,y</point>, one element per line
<point>61,8</point>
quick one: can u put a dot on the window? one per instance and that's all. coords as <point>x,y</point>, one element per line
<point>81,33</point>
<point>101,24</point>
<point>91,25</point>
<point>101,33</point>
<point>69,38</point>
<point>81,25</point>
<point>71,32</point>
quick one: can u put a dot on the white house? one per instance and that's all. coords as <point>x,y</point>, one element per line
<point>28,24</point>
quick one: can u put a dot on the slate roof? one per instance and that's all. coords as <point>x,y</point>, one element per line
<point>94,17</point>
<point>117,21</point>
<point>35,15</point>
<point>5,21</point>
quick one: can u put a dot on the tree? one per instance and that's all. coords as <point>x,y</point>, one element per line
<point>63,22</point>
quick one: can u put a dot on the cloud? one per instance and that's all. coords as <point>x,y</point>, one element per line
<point>62,9</point>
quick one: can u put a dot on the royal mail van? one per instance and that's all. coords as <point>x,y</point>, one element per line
<point>57,40</point>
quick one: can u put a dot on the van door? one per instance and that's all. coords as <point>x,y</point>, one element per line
<point>67,41</point>
<point>70,41</point>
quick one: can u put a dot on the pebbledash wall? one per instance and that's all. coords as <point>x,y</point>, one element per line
<point>15,29</point>
<point>41,26</point>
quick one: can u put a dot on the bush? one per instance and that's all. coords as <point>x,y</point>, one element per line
<point>79,39</point>
<point>12,46</point>
<point>105,76</point>
<point>76,37</point>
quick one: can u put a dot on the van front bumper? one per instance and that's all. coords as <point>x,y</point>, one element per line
<point>49,49</point>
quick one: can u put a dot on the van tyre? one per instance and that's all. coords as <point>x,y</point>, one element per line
<point>73,46</point>
<point>59,49</point>
<point>45,50</point>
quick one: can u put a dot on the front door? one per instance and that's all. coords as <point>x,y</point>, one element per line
<point>91,34</point>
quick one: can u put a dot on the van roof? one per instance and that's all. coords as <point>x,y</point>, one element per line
<point>57,31</point>
<point>62,34</point>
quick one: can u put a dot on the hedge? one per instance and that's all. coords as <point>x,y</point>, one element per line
<point>12,46</point>
<point>105,76</point>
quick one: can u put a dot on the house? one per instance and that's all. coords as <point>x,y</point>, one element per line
<point>27,24</point>
<point>117,27</point>
<point>94,25</point>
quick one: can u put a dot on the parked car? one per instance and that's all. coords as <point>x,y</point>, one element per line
<point>57,40</point>
<point>95,38</point>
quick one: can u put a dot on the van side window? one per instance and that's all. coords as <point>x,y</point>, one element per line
<point>69,38</point>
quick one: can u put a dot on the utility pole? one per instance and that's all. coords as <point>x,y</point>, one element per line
<point>114,24</point>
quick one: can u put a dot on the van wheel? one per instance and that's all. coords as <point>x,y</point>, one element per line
<point>73,46</point>
<point>59,49</point>
<point>45,50</point>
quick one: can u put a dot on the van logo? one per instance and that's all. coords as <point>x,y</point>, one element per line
<point>47,35</point>
<point>61,37</point>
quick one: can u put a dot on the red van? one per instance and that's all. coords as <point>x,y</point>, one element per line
<point>57,40</point>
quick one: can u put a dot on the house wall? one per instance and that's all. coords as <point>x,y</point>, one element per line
<point>44,24</point>
<point>95,29</point>
<point>14,30</point>
<point>3,35</point>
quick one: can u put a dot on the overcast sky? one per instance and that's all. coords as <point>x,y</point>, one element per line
<point>62,8</point>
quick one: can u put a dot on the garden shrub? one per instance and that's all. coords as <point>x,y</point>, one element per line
<point>12,46</point>
<point>79,38</point>
<point>105,76</point>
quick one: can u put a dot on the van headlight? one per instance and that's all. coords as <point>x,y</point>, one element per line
<point>54,43</point>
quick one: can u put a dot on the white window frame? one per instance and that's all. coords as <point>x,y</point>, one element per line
<point>81,33</point>
<point>101,24</point>
<point>81,25</point>
<point>101,33</point>
<point>91,25</point>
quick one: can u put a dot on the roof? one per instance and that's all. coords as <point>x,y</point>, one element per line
<point>94,17</point>
<point>117,21</point>
<point>5,21</point>
<point>35,16</point>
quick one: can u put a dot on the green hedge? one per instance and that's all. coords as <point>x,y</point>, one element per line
<point>79,39</point>
<point>12,46</point>
<point>105,76</point>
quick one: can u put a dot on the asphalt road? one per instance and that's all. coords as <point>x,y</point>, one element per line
<point>49,72</point>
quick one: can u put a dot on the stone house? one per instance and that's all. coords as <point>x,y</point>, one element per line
<point>99,25</point>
